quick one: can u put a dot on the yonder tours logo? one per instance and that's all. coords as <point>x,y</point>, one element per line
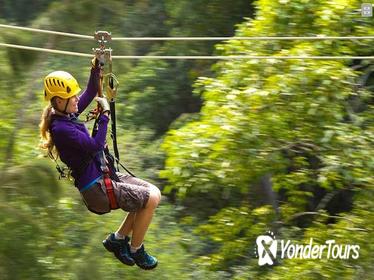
<point>268,249</point>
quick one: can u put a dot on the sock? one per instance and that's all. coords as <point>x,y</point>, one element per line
<point>117,235</point>
<point>134,249</point>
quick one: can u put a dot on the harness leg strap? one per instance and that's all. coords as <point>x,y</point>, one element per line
<point>110,192</point>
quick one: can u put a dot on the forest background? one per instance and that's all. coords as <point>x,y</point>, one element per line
<point>238,147</point>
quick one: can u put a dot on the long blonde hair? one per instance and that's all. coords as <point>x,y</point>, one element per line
<point>46,142</point>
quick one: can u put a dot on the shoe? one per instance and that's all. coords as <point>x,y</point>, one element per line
<point>143,259</point>
<point>120,248</point>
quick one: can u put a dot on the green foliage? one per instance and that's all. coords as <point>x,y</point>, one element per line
<point>14,11</point>
<point>350,228</point>
<point>293,119</point>
<point>163,89</point>
<point>26,210</point>
<point>49,235</point>
<point>305,124</point>
<point>235,228</point>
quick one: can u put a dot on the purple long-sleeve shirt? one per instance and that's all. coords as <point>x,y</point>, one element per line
<point>74,143</point>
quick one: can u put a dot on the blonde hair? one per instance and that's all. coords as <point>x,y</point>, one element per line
<point>46,142</point>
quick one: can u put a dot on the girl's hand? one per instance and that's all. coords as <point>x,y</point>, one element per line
<point>94,63</point>
<point>103,104</point>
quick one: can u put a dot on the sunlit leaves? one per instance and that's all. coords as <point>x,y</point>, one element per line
<point>293,119</point>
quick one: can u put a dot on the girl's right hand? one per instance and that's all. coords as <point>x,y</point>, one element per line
<point>103,104</point>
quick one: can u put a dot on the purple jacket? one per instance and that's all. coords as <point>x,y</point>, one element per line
<point>74,143</point>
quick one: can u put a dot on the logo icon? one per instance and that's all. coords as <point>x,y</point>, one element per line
<point>266,248</point>
<point>366,9</point>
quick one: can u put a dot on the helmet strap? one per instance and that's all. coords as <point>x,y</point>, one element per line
<point>66,106</point>
<point>54,106</point>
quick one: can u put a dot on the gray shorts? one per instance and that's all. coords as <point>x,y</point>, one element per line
<point>131,193</point>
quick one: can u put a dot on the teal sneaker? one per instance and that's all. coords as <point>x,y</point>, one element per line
<point>143,259</point>
<point>120,248</point>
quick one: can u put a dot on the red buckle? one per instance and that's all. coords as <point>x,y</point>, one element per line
<point>110,192</point>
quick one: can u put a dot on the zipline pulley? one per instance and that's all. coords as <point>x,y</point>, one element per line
<point>103,37</point>
<point>102,53</point>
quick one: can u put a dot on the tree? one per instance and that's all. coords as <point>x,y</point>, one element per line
<point>157,92</point>
<point>292,119</point>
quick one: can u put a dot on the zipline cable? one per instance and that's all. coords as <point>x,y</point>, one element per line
<point>47,31</point>
<point>44,50</point>
<point>263,38</point>
<point>202,57</point>
<point>228,57</point>
<point>319,37</point>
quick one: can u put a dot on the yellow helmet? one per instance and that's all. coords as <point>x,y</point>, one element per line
<point>61,84</point>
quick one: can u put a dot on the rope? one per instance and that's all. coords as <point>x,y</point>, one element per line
<point>44,50</point>
<point>237,57</point>
<point>47,31</point>
<point>202,57</point>
<point>265,38</point>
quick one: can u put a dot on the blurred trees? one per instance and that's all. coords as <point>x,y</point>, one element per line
<point>162,89</point>
<point>251,145</point>
<point>47,232</point>
<point>14,11</point>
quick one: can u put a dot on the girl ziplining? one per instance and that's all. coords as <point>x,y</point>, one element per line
<point>64,136</point>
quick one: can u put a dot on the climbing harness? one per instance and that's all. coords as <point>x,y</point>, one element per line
<point>63,171</point>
